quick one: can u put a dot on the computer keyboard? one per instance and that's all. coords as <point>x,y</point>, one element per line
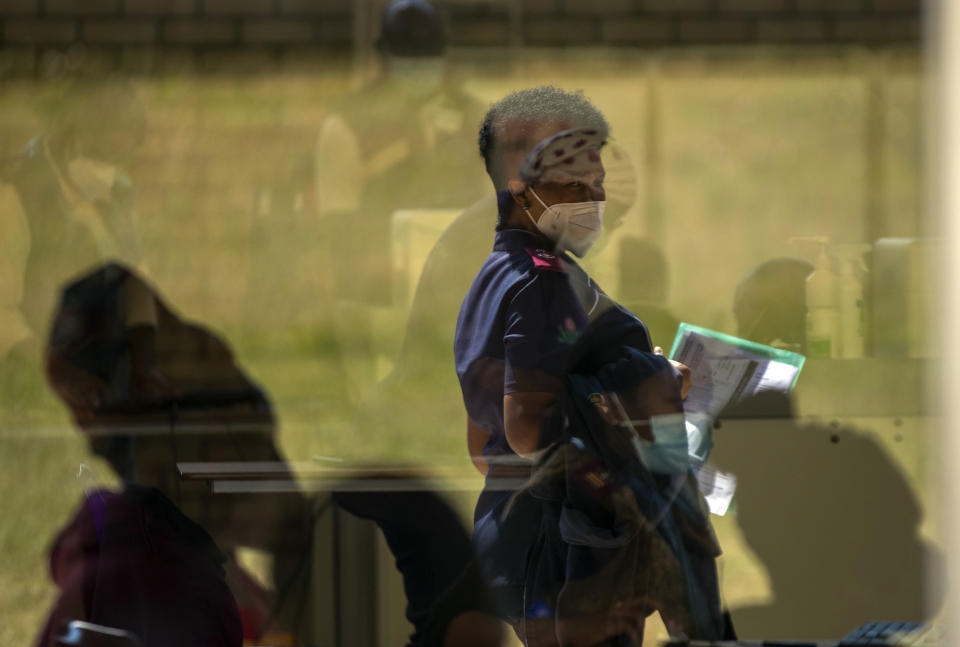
<point>887,634</point>
<point>871,634</point>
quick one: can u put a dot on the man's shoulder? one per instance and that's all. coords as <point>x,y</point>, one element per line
<point>519,271</point>
<point>500,270</point>
<point>542,260</point>
<point>509,267</point>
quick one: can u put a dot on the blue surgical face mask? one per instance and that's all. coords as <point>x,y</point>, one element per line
<point>667,454</point>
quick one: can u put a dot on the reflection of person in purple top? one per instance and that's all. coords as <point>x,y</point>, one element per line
<point>158,559</point>
<point>528,305</point>
<point>131,560</point>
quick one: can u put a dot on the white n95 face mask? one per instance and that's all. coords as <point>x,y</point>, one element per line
<point>572,226</point>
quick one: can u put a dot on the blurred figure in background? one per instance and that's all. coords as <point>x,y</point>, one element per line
<point>644,280</point>
<point>68,201</point>
<point>404,141</point>
<point>75,198</point>
<point>770,304</point>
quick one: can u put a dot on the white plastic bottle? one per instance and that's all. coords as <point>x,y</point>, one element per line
<point>823,315</point>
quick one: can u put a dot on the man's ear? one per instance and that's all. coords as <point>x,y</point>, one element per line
<point>518,190</point>
<point>602,406</point>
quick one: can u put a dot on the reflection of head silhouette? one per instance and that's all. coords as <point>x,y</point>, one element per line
<point>412,28</point>
<point>770,305</point>
<point>78,120</point>
<point>150,391</point>
<point>643,271</point>
<point>642,287</point>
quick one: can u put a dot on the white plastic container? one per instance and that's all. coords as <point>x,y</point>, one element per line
<point>905,297</point>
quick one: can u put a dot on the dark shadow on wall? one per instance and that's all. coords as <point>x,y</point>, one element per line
<point>154,394</point>
<point>833,520</point>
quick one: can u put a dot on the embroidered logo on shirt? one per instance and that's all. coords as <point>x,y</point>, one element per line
<point>568,333</point>
<point>544,260</point>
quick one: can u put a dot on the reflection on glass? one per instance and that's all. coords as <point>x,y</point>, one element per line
<point>328,227</point>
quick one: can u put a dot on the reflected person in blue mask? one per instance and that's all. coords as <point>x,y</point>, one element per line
<point>626,531</point>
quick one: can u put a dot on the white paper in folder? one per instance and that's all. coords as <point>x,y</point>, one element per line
<point>723,371</point>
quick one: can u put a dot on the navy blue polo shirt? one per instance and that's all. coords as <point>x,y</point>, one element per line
<point>527,317</point>
<point>518,325</point>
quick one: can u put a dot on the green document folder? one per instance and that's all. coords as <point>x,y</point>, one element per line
<point>726,369</point>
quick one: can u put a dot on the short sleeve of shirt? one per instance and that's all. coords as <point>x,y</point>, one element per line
<point>540,325</point>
